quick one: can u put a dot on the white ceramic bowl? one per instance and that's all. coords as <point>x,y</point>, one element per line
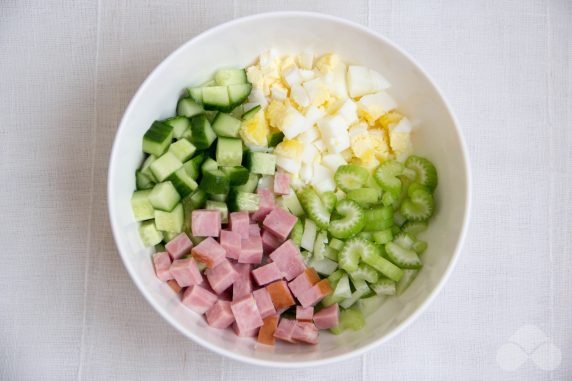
<point>238,43</point>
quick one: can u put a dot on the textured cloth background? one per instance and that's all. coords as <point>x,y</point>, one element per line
<point>68,309</point>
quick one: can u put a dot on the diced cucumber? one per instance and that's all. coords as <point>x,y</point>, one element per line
<point>292,203</point>
<point>236,175</point>
<point>250,185</point>
<point>418,206</point>
<point>297,233</point>
<point>238,93</point>
<point>261,163</point>
<point>320,244</point>
<point>196,94</point>
<point>216,98</point>
<point>351,221</point>
<point>343,289</point>
<point>157,138</point>
<point>219,197</point>
<point>229,152</point>
<point>275,138</point>
<point>165,166</point>
<point>408,278</point>
<point>195,201</point>
<point>183,183</point>
<point>180,124</point>
<point>164,196</point>
<point>167,236</point>
<point>220,206</point>
<point>349,177</point>
<point>403,257</point>
<point>146,167</point>
<point>243,201</point>
<point>365,273</point>
<point>387,176</point>
<point>266,182</point>
<point>149,233</point>
<point>182,149</point>
<point>160,247</point>
<point>383,286</point>
<point>323,266</point>
<point>309,236</point>
<point>373,258</point>
<point>209,165</point>
<point>382,237</point>
<point>188,107</point>
<point>226,126</point>
<point>426,174</point>
<point>172,221</point>
<point>363,196</point>
<point>378,218</point>
<point>141,206</point>
<point>225,77</point>
<point>314,207</point>
<point>214,182</point>
<point>142,181</point>
<point>251,112</point>
<point>202,132</point>
<point>192,167</point>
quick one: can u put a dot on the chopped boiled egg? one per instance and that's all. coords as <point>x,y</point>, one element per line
<point>323,178</point>
<point>278,92</point>
<point>309,154</point>
<point>257,97</point>
<point>310,135</point>
<point>300,96</point>
<point>288,165</point>
<point>333,130</point>
<point>404,125</point>
<point>293,123</point>
<point>306,59</point>
<point>306,172</point>
<point>255,130</point>
<point>332,161</point>
<point>317,91</point>
<point>363,81</point>
<point>291,149</point>
<point>291,75</point>
<point>327,62</point>
<point>372,106</point>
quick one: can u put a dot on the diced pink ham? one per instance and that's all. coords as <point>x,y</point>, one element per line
<point>304,314</point>
<point>243,284</point>
<point>220,315</point>
<point>253,230</point>
<point>264,302</point>
<point>222,276</point>
<point>285,330</point>
<point>251,250</point>
<point>306,332</point>
<point>230,241</point>
<point>238,223</point>
<point>304,282</point>
<point>205,223</point>
<point>281,183</point>
<point>289,260</point>
<point>198,299</point>
<point>246,313</point>
<point>244,333</point>
<point>270,242</point>
<point>318,291</point>
<point>327,317</point>
<point>162,263</point>
<point>267,274</point>
<point>279,222</point>
<point>179,246</point>
<point>209,252</point>
<point>186,272</point>
<point>266,204</point>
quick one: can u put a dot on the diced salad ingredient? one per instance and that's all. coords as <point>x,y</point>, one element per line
<point>283,197</point>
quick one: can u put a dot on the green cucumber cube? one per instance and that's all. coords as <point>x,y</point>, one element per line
<point>183,183</point>
<point>226,125</point>
<point>170,221</point>
<point>203,134</point>
<point>149,233</point>
<point>180,124</point>
<point>165,166</point>
<point>215,182</point>
<point>182,149</point>
<point>157,138</point>
<point>164,196</point>
<point>141,206</point>
<point>261,163</point>
<point>221,206</point>
<point>229,152</point>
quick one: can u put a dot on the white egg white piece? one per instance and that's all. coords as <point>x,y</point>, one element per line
<point>333,161</point>
<point>321,174</point>
<point>348,111</point>
<point>306,172</point>
<point>309,154</point>
<point>268,58</point>
<point>278,92</point>
<point>358,129</point>
<point>377,104</point>
<point>292,76</point>
<point>293,123</point>
<point>310,135</point>
<point>378,81</point>
<point>257,97</point>
<point>300,96</point>
<point>313,114</point>
<point>307,75</point>
<point>315,88</point>
<point>320,145</point>
<point>306,59</point>
<point>404,125</point>
<point>288,165</point>
<point>359,81</point>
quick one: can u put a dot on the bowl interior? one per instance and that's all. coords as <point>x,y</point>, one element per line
<point>238,44</point>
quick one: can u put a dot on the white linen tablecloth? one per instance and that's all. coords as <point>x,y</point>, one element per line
<point>68,309</point>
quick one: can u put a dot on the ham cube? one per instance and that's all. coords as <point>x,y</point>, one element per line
<point>327,317</point>
<point>306,332</point>
<point>253,230</point>
<point>198,299</point>
<point>281,183</point>
<point>280,295</point>
<point>244,333</point>
<point>266,333</point>
<point>174,286</point>
<point>313,295</point>
<point>162,263</point>
<point>205,223</point>
<point>209,252</point>
<point>304,282</point>
<point>280,223</point>
<point>186,272</point>
<point>288,259</point>
<point>251,250</point>
<point>246,314</point>
<point>266,204</point>
<point>179,246</point>
<point>270,242</point>
<point>220,315</point>
<point>230,241</point>
<point>243,285</point>
<point>264,302</point>
<point>267,273</point>
<point>222,276</point>
<point>304,314</point>
<point>238,223</point>
<point>285,330</point>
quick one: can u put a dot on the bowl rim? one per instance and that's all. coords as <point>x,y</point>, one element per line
<point>328,360</point>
